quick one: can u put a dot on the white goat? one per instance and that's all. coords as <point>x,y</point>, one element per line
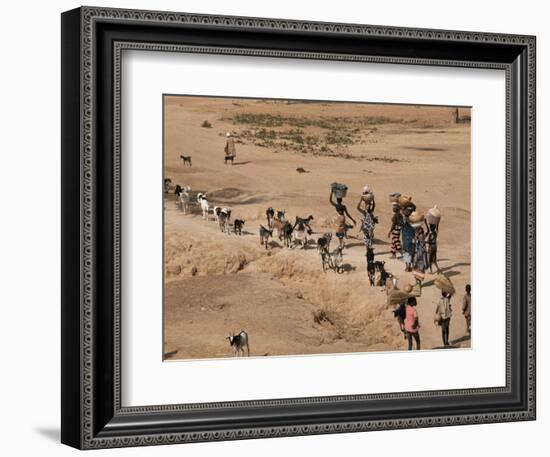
<point>239,342</point>
<point>204,205</point>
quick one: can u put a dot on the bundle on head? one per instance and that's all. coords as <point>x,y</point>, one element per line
<point>443,283</point>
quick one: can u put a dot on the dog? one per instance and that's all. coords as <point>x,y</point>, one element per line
<point>238,226</point>
<point>186,160</point>
<point>239,342</point>
<point>265,234</point>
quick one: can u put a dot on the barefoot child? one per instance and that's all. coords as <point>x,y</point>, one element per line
<point>412,325</point>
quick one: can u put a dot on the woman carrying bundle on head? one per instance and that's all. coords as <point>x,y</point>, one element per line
<point>396,226</point>
<point>341,211</point>
<point>419,258</point>
<point>433,216</point>
<point>407,232</point>
<point>366,207</point>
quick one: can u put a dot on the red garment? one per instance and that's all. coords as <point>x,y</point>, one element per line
<point>411,316</point>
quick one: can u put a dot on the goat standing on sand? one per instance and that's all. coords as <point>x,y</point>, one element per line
<point>280,227</point>
<point>216,211</point>
<point>239,342</point>
<point>186,160</point>
<point>167,184</point>
<point>338,259</point>
<point>238,226</point>
<point>270,214</point>
<point>323,247</point>
<point>265,234</point>
<point>302,229</point>
<point>381,276</point>
<point>371,270</point>
<point>201,198</point>
<point>286,233</point>
<point>223,219</point>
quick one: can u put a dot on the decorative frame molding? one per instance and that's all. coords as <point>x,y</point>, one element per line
<point>97,423</point>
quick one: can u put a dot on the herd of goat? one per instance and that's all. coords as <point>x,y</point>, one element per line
<point>289,234</point>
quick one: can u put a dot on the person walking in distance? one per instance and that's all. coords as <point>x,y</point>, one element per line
<point>467,308</point>
<point>412,324</point>
<point>229,148</point>
<point>443,313</point>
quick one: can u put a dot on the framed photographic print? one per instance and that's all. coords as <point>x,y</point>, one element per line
<point>274,228</point>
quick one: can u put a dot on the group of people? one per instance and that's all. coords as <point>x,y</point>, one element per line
<point>414,241</point>
<point>407,316</point>
<point>365,207</point>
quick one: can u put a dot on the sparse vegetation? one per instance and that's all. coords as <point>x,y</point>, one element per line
<point>322,136</point>
<point>206,125</point>
<point>382,159</point>
<point>339,137</point>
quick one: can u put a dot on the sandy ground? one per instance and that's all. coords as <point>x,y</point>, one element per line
<point>217,284</point>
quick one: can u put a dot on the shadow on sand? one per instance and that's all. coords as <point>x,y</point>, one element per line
<point>416,148</point>
<point>449,274</point>
<point>461,339</point>
<point>241,163</point>
<point>347,268</point>
<point>169,355</point>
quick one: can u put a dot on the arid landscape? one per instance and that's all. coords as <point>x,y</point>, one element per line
<point>287,155</point>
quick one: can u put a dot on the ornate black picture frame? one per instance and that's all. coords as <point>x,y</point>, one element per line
<point>92,42</point>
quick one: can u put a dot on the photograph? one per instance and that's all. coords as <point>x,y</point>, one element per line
<point>309,227</point>
<point>274,222</point>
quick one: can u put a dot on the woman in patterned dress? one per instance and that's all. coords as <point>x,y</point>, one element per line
<point>368,220</point>
<point>395,231</point>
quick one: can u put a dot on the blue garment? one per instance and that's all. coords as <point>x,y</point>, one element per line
<point>420,257</point>
<point>407,234</point>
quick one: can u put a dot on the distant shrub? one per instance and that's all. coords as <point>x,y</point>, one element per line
<point>206,125</point>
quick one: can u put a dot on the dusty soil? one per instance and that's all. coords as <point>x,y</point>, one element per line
<point>217,284</point>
